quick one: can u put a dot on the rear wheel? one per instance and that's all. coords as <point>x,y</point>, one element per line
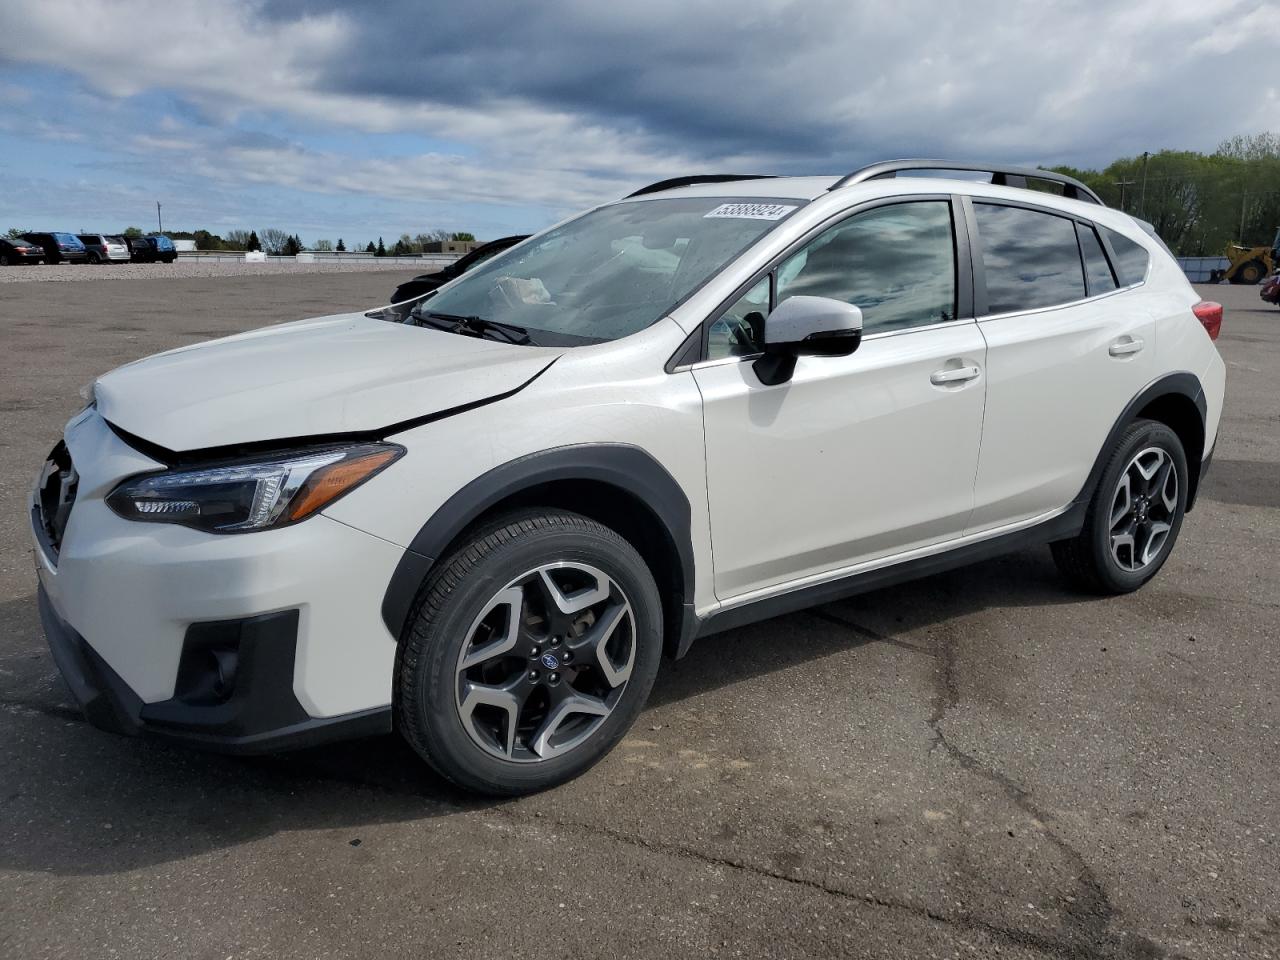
<point>94,258</point>
<point>532,651</point>
<point>4,260</point>
<point>1135,514</point>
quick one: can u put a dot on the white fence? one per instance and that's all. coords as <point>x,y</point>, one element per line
<point>426,260</point>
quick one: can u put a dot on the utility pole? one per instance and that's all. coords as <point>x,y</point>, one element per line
<point>1122,184</point>
<point>1142,204</point>
<point>159,222</point>
<point>1243,197</point>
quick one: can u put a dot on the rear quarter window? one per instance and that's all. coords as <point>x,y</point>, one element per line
<point>1131,259</point>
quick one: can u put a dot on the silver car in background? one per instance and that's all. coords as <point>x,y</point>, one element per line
<point>105,248</point>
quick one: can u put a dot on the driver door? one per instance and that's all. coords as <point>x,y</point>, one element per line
<point>858,458</point>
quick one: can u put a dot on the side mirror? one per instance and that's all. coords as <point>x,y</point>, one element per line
<point>806,326</point>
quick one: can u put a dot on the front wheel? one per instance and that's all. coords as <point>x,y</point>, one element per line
<point>1134,517</point>
<point>531,652</point>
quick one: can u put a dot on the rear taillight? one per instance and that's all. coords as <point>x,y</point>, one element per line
<point>1210,316</point>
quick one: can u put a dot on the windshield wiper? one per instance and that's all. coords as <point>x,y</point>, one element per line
<point>476,326</point>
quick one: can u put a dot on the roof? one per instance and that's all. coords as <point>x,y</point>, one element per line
<point>810,188</point>
<point>793,188</point>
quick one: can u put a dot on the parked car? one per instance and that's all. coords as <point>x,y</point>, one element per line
<point>714,401</point>
<point>104,248</point>
<point>59,247</point>
<point>1270,292</point>
<point>424,284</point>
<point>19,251</point>
<point>151,249</point>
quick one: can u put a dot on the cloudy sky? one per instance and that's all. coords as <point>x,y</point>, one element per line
<point>356,120</point>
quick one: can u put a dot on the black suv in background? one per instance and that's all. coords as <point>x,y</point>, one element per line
<point>59,247</point>
<point>151,249</point>
<point>418,286</point>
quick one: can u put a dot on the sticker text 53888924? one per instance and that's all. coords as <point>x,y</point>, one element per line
<point>750,211</point>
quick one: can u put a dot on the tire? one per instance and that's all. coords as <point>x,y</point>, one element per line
<point>94,258</point>
<point>448,704</point>
<point>1250,273</point>
<point>1098,559</point>
<point>4,260</point>
<point>169,259</point>
<point>52,259</point>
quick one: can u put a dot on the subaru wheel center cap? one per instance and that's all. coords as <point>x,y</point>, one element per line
<point>550,662</point>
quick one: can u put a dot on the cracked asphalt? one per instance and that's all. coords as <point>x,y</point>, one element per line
<point>980,764</point>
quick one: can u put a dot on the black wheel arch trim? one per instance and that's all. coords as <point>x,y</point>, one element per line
<point>624,466</point>
<point>1183,384</point>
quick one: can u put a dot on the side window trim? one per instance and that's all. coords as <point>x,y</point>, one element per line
<point>966,265</point>
<point>1099,235</point>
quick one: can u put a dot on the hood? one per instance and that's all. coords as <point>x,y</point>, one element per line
<point>340,374</point>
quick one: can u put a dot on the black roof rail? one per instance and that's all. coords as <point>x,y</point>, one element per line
<point>1001,175</point>
<point>699,178</point>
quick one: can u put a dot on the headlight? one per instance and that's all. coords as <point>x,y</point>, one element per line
<point>251,494</point>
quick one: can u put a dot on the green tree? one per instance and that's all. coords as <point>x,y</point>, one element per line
<point>341,247</point>
<point>464,236</point>
<point>291,246</point>
<point>16,233</point>
<point>381,250</point>
<point>254,243</point>
<point>370,248</point>
<point>131,232</point>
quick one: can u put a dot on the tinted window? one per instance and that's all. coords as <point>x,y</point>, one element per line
<point>1096,269</point>
<point>1032,259</point>
<point>1131,258</point>
<point>897,263</point>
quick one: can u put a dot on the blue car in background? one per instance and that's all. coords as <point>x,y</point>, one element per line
<point>156,247</point>
<point>59,247</point>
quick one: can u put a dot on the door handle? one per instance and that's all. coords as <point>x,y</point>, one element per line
<point>953,375</point>
<point>1125,346</point>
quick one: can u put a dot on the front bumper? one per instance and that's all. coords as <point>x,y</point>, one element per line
<point>141,617</point>
<point>259,716</point>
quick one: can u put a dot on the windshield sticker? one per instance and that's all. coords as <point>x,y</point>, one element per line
<point>750,211</point>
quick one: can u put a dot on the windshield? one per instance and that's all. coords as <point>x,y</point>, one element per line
<point>613,271</point>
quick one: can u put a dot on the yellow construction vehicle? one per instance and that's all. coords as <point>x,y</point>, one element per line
<point>1251,264</point>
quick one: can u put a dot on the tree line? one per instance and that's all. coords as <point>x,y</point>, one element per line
<point>1198,202</point>
<point>281,243</point>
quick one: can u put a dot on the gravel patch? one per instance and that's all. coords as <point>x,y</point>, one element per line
<point>200,267</point>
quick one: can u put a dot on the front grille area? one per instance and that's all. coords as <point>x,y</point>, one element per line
<point>55,496</point>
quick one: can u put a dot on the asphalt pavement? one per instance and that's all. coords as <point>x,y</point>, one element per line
<point>978,764</point>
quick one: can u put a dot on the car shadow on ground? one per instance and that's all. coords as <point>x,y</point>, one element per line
<point>78,801</point>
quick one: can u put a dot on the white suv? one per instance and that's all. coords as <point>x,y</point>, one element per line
<point>480,518</point>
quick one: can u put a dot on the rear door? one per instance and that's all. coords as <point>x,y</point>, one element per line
<point>861,457</point>
<point>1068,346</point>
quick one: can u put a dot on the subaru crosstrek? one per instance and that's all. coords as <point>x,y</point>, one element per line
<point>481,518</point>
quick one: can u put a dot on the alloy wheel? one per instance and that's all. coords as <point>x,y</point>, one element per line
<point>545,662</point>
<point>1143,509</point>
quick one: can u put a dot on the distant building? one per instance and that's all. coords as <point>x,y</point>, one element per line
<point>449,246</point>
